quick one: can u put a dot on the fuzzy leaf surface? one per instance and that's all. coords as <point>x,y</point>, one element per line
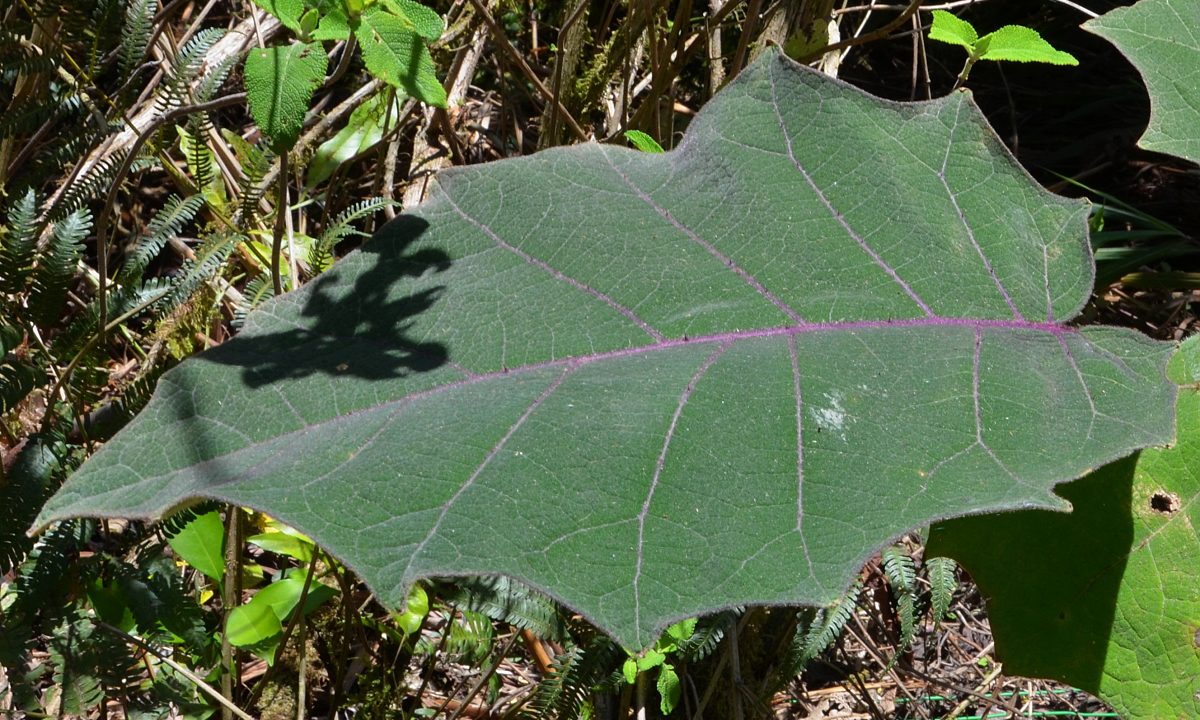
<point>1104,598</point>
<point>655,385</point>
<point>280,82</point>
<point>1162,40</point>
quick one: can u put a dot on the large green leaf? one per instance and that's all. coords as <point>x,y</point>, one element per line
<point>658,384</point>
<point>1105,598</point>
<point>1162,39</point>
<point>280,82</point>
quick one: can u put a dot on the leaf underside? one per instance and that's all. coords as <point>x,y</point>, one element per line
<point>1104,598</point>
<point>654,385</point>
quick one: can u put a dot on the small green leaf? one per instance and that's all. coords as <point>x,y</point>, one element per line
<point>681,631</point>
<point>948,28</point>
<point>294,545</point>
<point>335,23</point>
<point>309,22</point>
<point>1021,44</point>
<point>396,54</point>
<point>668,688</point>
<point>411,620</point>
<point>253,622</point>
<point>630,671</point>
<point>650,659</point>
<point>280,82</point>
<point>201,544</point>
<point>365,128</point>
<point>288,12</point>
<point>642,141</point>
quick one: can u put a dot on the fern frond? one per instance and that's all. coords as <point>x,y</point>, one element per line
<point>900,570</point>
<point>901,574</point>
<point>28,483</point>
<point>214,78</point>
<point>18,244</point>
<point>565,692</point>
<point>57,265</point>
<point>826,624</point>
<point>90,185</point>
<point>194,143</point>
<point>254,294</point>
<point>256,160</point>
<point>210,256</point>
<point>510,602</point>
<point>166,224</point>
<point>943,583</point>
<point>135,35</point>
<point>710,631</point>
<point>320,256</point>
<point>186,67</point>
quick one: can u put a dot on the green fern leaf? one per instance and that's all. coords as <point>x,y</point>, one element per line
<point>943,583</point>
<point>17,245</point>
<point>135,35</point>
<point>167,223</point>
<point>57,265</point>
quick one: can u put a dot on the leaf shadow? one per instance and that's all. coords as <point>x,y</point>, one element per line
<point>1052,580</point>
<point>357,331</point>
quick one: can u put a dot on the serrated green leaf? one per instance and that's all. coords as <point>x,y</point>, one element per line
<point>424,21</point>
<point>287,12</point>
<point>364,129</point>
<point>668,689</point>
<point>948,28</point>
<point>1104,598</point>
<point>823,320</point>
<point>280,82</point>
<point>396,54</point>
<point>1162,40</point>
<point>335,23</point>
<point>1017,43</point>
<point>201,544</point>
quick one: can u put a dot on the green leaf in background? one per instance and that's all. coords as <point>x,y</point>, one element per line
<point>1105,598</point>
<point>1017,43</point>
<point>642,141</point>
<point>287,12</point>
<point>335,23</point>
<point>394,52</point>
<point>823,320</point>
<point>280,82</point>
<point>362,132</point>
<point>201,544</point>
<point>269,609</point>
<point>669,688</point>
<point>423,21</point>
<point>1162,40</point>
<point>285,541</point>
<point>949,28</point>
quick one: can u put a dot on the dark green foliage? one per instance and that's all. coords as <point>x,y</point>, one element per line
<point>32,476</point>
<point>901,573</point>
<point>167,223</point>
<point>943,582</point>
<point>186,66</point>
<point>18,244</point>
<point>57,265</point>
<point>508,601</point>
<point>577,671</point>
<point>135,35</point>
